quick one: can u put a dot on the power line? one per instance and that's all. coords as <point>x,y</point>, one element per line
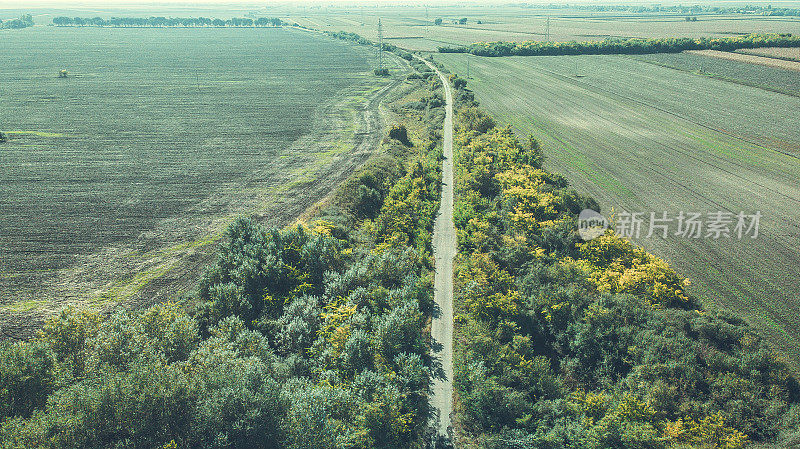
<point>380,44</point>
<point>547,32</point>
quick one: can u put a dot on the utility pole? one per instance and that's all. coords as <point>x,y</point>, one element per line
<point>380,44</point>
<point>426,21</point>
<point>547,30</point>
<point>467,65</point>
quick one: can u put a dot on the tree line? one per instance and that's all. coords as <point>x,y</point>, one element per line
<point>353,37</point>
<point>64,21</point>
<point>624,46</point>
<point>24,21</point>
<point>564,343</point>
<point>310,336</point>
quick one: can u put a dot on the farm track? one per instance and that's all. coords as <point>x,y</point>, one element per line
<point>606,134</point>
<point>444,251</point>
<point>347,129</point>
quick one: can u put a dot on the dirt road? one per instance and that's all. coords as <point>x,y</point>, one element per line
<point>444,250</point>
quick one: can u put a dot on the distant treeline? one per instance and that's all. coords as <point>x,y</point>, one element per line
<point>767,10</point>
<point>23,22</point>
<point>166,22</point>
<point>625,46</point>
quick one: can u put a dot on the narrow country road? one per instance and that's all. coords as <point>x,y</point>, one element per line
<point>444,250</point>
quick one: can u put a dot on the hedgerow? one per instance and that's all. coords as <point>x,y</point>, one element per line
<point>624,46</point>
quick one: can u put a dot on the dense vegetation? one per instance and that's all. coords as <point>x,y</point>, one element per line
<point>625,46</point>
<point>165,22</point>
<point>562,343</point>
<point>23,22</point>
<point>308,337</point>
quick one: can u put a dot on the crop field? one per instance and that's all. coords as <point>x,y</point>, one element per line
<point>788,54</point>
<point>749,59</point>
<point>412,27</point>
<point>118,179</point>
<point>771,78</point>
<point>645,138</point>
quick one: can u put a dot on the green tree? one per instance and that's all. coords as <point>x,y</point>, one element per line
<point>27,377</point>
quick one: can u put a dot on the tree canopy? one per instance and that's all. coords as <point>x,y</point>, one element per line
<point>624,46</point>
<point>24,21</point>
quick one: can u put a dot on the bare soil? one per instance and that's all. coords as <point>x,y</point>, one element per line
<point>749,58</point>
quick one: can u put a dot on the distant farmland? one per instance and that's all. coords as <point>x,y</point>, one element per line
<point>645,138</point>
<point>412,27</point>
<point>122,173</point>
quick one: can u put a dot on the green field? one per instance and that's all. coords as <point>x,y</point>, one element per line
<point>122,173</point>
<point>644,138</point>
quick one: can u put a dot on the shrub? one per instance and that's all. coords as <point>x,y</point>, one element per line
<point>474,119</point>
<point>399,132</point>
<point>27,377</point>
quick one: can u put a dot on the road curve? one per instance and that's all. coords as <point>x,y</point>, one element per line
<point>444,250</point>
